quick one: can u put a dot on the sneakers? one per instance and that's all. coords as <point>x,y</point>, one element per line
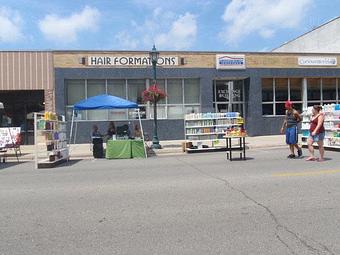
<point>291,156</point>
<point>299,152</point>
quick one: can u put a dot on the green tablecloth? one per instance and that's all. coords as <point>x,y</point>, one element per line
<point>137,147</point>
<point>118,149</point>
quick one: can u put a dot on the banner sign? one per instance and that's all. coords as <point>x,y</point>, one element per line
<point>9,135</point>
<point>230,62</point>
<point>130,61</point>
<point>317,61</point>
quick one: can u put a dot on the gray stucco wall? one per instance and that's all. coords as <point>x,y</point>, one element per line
<point>256,124</point>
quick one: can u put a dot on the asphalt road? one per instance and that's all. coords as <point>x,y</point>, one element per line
<point>190,204</point>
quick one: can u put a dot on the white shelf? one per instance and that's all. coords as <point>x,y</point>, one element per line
<point>221,118</point>
<point>215,125</point>
<point>332,120</point>
<point>57,146</point>
<point>225,125</point>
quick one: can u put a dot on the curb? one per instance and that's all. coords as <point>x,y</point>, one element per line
<point>176,151</point>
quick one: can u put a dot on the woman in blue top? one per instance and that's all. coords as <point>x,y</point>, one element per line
<point>290,122</point>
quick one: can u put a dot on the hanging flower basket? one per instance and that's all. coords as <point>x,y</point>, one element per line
<point>153,94</point>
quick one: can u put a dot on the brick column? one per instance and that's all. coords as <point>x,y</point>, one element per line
<point>49,100</point>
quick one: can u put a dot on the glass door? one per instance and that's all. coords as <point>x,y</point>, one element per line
<point>229,96</point>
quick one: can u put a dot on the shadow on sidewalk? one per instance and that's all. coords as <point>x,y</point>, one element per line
<point>6,165</point>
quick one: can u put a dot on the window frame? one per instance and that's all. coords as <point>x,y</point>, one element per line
<point>148,106</point>
<point>304,90</point>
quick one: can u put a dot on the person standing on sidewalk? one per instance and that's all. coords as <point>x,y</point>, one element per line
<point>290,122</point>
<point>316,133</point>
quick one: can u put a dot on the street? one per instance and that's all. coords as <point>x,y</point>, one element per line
<point>187,204</point>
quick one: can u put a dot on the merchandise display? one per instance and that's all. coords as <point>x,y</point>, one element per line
<point>51,146</point>
<point>211,128</point>
<point>331,124</point>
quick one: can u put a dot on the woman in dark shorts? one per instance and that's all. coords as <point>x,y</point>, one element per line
<point>316,133</point>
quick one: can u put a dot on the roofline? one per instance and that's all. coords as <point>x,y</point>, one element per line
<point>310,31</point>
<point>177,52</point>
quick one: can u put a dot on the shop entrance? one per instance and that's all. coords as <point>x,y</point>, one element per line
<point>229,96</point>
<point>19,105</point>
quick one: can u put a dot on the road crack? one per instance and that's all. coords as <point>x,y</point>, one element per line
<point>278,227</point>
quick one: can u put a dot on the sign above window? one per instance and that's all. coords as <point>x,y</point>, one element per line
<point>317,61</point>
<point>130,61</point>
<point>230,61</point>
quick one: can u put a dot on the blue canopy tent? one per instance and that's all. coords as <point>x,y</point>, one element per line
<point>104,102</point>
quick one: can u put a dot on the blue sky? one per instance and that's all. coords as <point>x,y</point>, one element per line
<point>198,25</point>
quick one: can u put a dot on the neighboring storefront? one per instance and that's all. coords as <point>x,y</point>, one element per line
<point>255,84</point>
<point>26,86</point>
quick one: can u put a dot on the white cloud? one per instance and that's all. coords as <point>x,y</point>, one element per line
<point>10,25</point>
<point>265,17</point>
<point>174,4</point>
<point>182,34</point>
<point>66,29</point>
<point>127,40</point>
<point>164,28</point>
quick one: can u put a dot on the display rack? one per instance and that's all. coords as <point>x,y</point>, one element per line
<point>51,147</point>
<point>206,131</point>
<point>331,124</point>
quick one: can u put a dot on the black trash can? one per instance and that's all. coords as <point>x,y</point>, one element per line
<point>98,150</point>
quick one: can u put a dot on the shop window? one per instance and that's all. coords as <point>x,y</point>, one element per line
<point>237,93</point>
<point>97,114</point>
<point>238,108</point>
<point>223,108</point>
<point>221,92</point>
<point>95,87</point>
<point>281,89</point>
<point>175,112</point>
<point>313,103</point>
<point>192,109</point>
<point>133,113</point>
<point>117,114</point>
<point>116,88</point>
<point>135,90</point>
<point>329,89</point>
<point>75,91</point>
<point>161,85</point>
<point>78,115</point>
<point>298,107</point>
<point>267,90</point>
<point>228,95</point>
<point>175,91</point>
<point>313,89</point>
<point>295,89</point>
<point>267,109</point>
<point>191,91</point>
<point>161,112</point>
<point>173,106</point>
<point>280,109</point>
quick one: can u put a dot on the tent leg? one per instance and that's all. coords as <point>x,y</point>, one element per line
<point>141,129</point>
<point>75,132</point>
<point>70,141</point>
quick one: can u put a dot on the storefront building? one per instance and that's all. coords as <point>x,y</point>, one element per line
<point>255,84</point>
<point>26,86</point>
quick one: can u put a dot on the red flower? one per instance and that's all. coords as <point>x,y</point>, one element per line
<point>153,94</point>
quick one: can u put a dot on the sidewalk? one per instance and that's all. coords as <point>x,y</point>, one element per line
<point>174,147</point>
